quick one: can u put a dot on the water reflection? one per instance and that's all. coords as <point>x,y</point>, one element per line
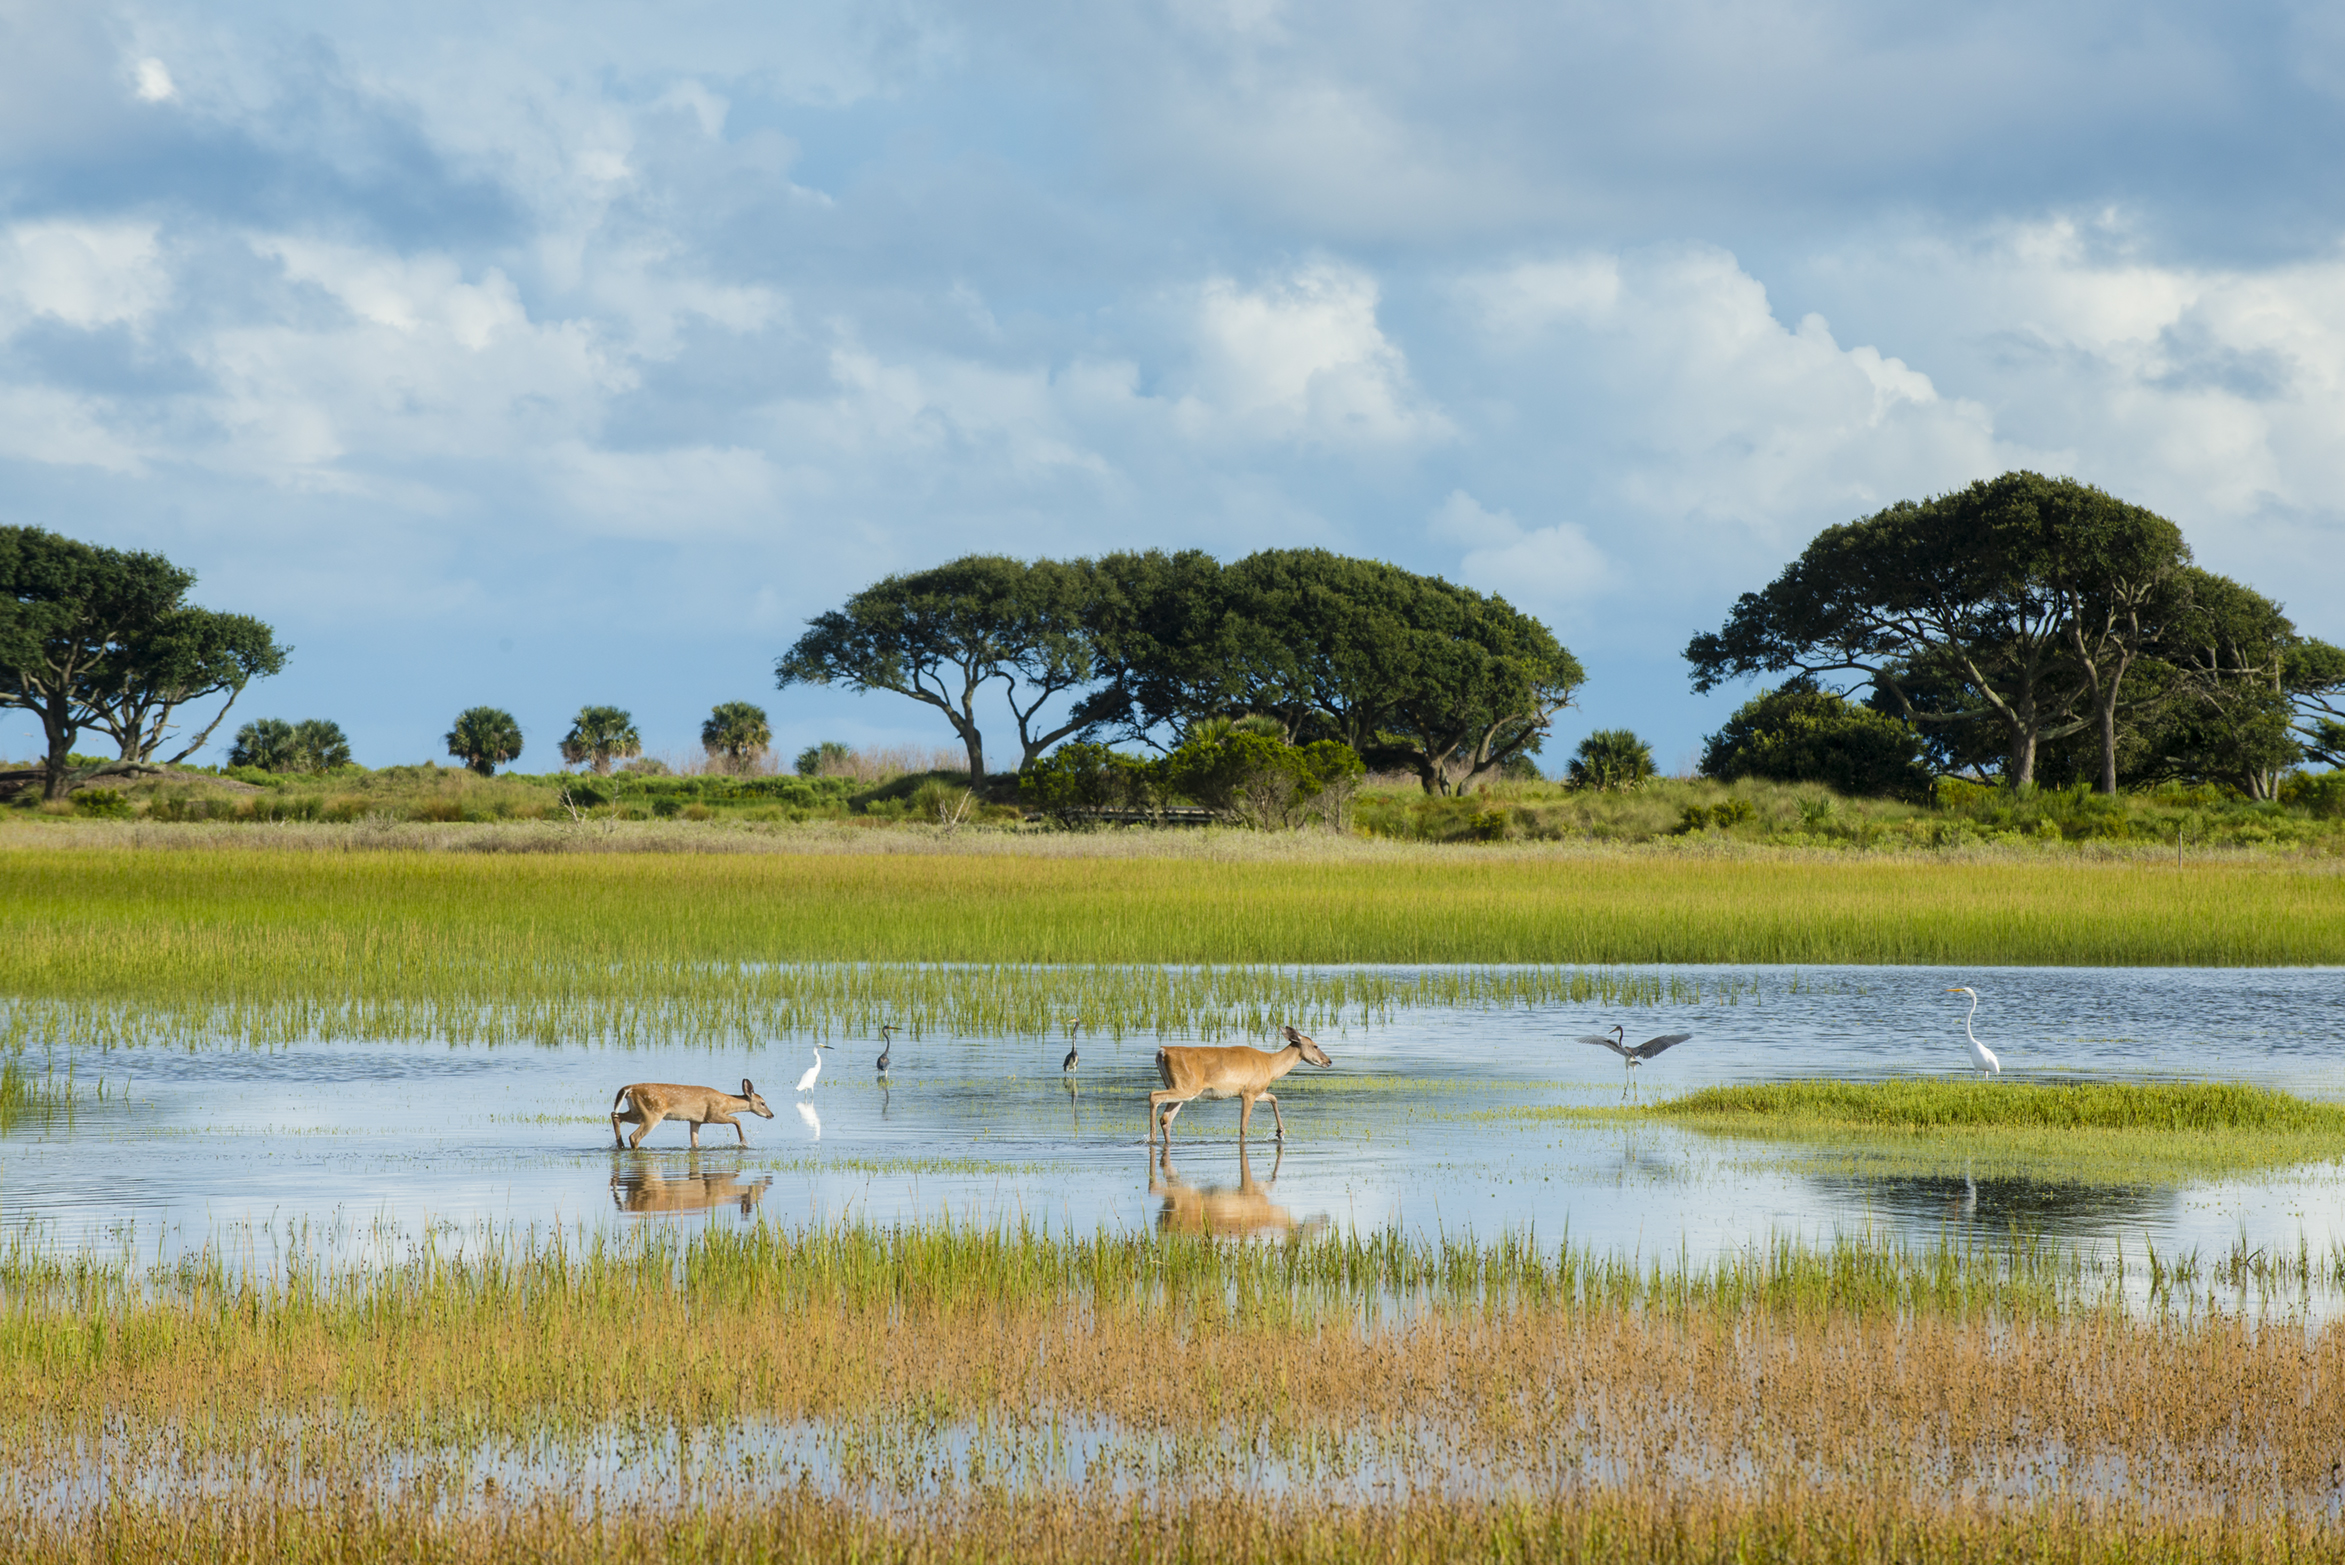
<point>2000,1205</point>
<point>1242,1211</point>
<point>812,1119</point>
<point>641,1188</point>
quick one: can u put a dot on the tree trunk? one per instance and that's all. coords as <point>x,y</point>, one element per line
<point>2021,772</point>
<point>2109,742</point>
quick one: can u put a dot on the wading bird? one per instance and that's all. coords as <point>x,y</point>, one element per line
<point>1980,1054</point>
<point>886,1042</point>
<point>1618,1044</point>
<point>1068,1063</point>
<point>806,1082</point>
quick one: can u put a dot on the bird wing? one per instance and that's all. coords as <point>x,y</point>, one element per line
<point>1653,1046</point>
<point>1603,1041</point>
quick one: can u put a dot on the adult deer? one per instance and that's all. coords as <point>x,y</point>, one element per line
<point>1237,1072</point>
<point>652,1101</point>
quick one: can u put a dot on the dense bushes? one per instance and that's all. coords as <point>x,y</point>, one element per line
<point>1238,771</point>
<point>1802,734</point>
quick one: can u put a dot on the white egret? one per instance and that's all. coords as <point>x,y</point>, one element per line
<point>1618,1044</point>
<point>806,1082</point>
<point>1980,1054</point>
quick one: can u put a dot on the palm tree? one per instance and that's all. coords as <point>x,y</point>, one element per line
<point>737,731</point>
<point>485,738</point>
<point>266,742</point>
<point>600,735</point>
<point>1611,758</point>
<point>321,745</point>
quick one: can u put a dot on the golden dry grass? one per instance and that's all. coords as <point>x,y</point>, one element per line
<point>912,1393</point>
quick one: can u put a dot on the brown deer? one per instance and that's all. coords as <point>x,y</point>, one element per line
<point>642,1190</point>
<point>1218,1211</point>
<point>1237,1072</point>
<point>653,1101</point>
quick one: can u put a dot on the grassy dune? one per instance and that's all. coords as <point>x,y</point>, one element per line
<point>913,1393</point>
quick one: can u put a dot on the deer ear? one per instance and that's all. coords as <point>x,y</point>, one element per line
<point>747,1090</point>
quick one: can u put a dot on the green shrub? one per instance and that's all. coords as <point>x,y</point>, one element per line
<point>103,803</point>
<point>1610,758</point>
<point>1802,734</point>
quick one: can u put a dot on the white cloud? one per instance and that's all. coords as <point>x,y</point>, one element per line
<point>151,81</point>
<point>1666,377</point>
<point>83,274</point>
<point>1304,358</point>
<point>1556,563</point>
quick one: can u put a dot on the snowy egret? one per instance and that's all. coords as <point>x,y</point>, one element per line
<point>806,1082</point>
<point>1618,1044</point>
<point>1980,1055</point>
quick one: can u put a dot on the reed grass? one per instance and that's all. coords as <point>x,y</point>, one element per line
<point>913,1390</point>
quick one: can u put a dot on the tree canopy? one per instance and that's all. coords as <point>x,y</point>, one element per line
<point>598,736</point>
<point>485,738</point>
<point>92,637</point>
<point>737,731</point>
<point>2022,601</point>
<point>1802,734</point>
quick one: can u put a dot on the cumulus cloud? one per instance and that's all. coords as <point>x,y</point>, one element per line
<point>83,274</point>
<point>1556,563</point>
<point>1303,357</point>
<point>151,81</point>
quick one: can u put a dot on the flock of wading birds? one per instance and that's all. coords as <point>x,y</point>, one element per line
<point>1188,1074</point>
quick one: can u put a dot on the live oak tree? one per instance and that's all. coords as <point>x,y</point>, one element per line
<point>940,636</point>
<point>92,637</point>
<point>2030,596</point>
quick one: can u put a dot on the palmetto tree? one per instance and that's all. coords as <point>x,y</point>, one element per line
<point>266,742</point>
<point>600,735</point>
<point>485,738</point>
<point>738,732</point>
<point>1611,758</point>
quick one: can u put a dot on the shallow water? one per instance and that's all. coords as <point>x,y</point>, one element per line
<point>367,1145</point>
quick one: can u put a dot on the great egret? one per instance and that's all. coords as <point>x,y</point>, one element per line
<point>1980,1055</point>
<point>1618,1044</point>
<point>886,1042</point>
<point>806,1082</point>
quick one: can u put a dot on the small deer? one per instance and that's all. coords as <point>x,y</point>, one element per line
<point>1237,1072</point>
<point>653,1101</point>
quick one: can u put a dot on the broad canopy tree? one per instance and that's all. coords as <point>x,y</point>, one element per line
<point>2030,598</point>
<point>92,637</point>
<point>1145,647</point>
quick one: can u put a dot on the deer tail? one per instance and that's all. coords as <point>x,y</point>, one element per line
<point>616,1101</point>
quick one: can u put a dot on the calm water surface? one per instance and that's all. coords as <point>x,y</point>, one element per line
<point>372,1144</point>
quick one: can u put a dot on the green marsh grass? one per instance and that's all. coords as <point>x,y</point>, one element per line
<point>263,946</point>
<point>2091,1132</point>
<point>1908,1402</point>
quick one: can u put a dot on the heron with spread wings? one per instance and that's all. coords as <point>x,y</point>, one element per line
<point>1617,1042</point>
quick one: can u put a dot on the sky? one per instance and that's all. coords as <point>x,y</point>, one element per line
<point>538,356</point>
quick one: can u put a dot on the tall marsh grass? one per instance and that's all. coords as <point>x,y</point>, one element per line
<point>1154,1396</point>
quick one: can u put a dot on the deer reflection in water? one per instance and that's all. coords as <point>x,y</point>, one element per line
<point>1221,1212</point>
<point>641,1189</point>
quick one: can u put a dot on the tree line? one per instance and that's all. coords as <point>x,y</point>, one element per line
<point>2026,628</point>
<point>1409,672</point>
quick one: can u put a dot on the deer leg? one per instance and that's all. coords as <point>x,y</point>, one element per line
<point>1272,1100</point>
<point>651,1117</point>
<point>744,1135</point>
<point>695,1124</point>
<point>1156,1116</point>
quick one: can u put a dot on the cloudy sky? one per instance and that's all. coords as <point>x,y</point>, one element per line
<point>544,354</point>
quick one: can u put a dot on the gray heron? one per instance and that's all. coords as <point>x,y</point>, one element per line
<point>1618,1043</point>
<point>1980,1054</point>
<point>1068,1063</point>
<point>886,1042</point>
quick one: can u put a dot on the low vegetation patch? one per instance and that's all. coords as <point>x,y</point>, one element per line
<point>2082,1132</point>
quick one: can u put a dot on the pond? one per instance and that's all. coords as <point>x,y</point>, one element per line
<point>1430,1122</point>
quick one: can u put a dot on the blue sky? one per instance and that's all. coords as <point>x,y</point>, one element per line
<point>539,355</point>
